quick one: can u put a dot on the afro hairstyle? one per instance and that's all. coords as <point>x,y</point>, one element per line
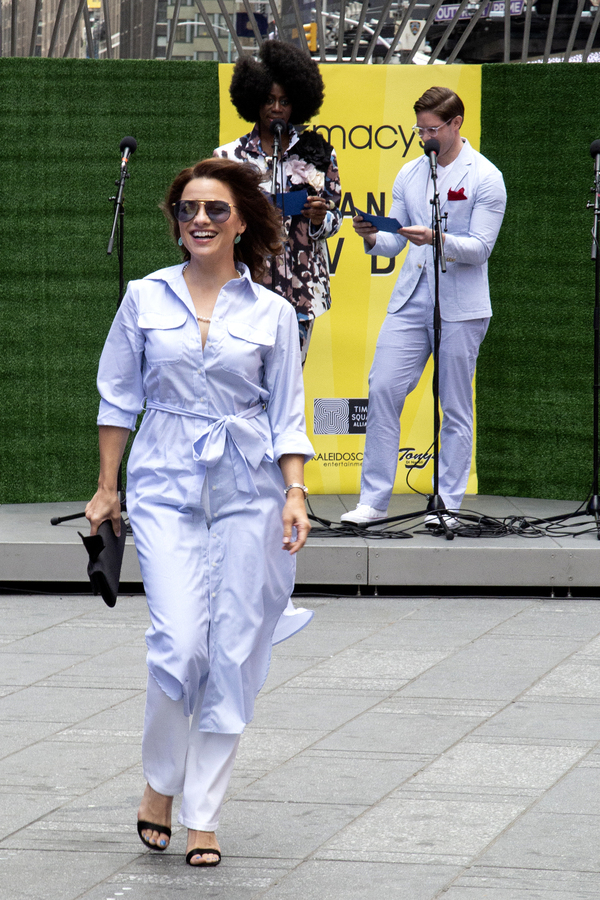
<point>283,64</point>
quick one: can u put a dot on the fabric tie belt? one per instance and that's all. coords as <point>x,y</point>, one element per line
<point>248,434</point>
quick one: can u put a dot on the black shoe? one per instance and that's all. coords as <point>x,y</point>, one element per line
<point>199,851</point>
<point>151,826</point>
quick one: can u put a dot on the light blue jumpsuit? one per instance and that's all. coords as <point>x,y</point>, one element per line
<point>204,491</point>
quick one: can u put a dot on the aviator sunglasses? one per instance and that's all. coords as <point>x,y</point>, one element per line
<point>216,210</point>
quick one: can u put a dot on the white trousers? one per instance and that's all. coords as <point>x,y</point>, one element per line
<point>179,759</point>
<point>404,345</point>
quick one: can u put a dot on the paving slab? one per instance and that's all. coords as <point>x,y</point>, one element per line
<point>403,747</point>
<point>428,830</point>
<point>382,730</point>
<point>475,766</point>
<point>550,841</point>
<point>515,884</point>
<point>327,776</point>
<point>534,718</point>
<point>355,881</point>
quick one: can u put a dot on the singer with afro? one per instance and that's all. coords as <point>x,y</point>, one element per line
<point>472,193</point>
<point>285,87</point>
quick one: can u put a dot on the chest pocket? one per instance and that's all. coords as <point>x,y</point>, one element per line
<point>163,336</point>
<point>244,348</point>
<point>459,214</point>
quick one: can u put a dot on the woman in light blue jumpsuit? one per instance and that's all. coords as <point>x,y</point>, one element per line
<point>214,485</point>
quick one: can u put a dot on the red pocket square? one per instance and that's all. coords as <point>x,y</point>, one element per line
<point>457,195</point>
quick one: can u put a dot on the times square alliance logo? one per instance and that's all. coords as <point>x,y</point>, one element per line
<point>341,415</point>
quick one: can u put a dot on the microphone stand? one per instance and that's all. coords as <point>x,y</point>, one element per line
<point>436,505</point>
<point>593,506</point>
<point>119,220</point>
<point>276,130</point>
<point>127,144</point>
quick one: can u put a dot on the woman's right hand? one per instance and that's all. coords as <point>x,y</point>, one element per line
<point>105,504</point>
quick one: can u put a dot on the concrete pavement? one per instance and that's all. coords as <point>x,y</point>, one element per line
<point>409,748</point>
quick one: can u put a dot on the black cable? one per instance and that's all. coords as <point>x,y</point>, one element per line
<point>465,523</point>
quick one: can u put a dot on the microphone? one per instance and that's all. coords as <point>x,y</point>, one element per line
<point>431,148</point>
<point>127,146</point>
<point>277,127</point>
<point>595,148</point>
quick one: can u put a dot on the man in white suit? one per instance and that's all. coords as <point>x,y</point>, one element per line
<point>472,192</point>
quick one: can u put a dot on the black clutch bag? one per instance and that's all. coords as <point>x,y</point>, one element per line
<point>105,550</point>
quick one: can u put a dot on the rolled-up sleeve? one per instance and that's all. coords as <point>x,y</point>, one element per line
<point>283,380</point>
<point>120,371</point>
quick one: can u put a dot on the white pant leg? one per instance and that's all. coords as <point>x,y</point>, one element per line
<point>403,348</point>
<point>208,768</point>
<point>458,356</point>
<point>177,758</point>
<point>405,343</point>
<point>165,741</point>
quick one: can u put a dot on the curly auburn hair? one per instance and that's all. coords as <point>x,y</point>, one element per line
<point>262,237</point>
<point>282,64</point>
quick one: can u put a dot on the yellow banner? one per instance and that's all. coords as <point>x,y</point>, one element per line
<point>367,116</point>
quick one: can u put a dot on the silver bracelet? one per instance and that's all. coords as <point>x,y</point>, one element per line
<point>295,484</point>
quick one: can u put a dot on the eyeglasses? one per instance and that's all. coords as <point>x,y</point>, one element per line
<point>422,131</point>
<point>273,101</point>
<point>216,210</point>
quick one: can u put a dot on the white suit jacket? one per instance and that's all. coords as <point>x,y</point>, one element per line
<point>473,226</point>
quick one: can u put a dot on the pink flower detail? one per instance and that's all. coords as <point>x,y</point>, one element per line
<point>301,172</point>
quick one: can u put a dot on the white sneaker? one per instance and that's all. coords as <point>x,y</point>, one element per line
<point>432,521</point>
<point>364,515</point>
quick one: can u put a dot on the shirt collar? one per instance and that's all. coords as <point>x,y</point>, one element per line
<point>173,275</point>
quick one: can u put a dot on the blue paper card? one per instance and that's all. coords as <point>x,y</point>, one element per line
<point>292,202</point>
<point>382,223</point>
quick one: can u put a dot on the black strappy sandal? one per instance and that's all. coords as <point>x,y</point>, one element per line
<point>199,851</point>
<point>152,826</point>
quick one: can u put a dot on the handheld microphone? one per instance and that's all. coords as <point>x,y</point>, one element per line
<point>127,146</point>
<point>431,148</point>
<point>595,149</point>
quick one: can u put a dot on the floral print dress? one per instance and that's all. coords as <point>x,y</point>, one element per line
<point>309,164</point>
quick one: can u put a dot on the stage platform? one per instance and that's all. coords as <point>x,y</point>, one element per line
<point>34,551</point>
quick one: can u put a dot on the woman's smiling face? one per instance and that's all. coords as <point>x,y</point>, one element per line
<point>203,238</point>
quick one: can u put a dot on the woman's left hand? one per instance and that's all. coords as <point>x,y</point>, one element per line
<point>294,516</point>
<point>315,209</point>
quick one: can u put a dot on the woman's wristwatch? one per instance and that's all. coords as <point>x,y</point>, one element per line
<point>295,484</point>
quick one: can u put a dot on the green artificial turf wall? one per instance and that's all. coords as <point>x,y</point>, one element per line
<point>535,370</point>
<point>61,123</point>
